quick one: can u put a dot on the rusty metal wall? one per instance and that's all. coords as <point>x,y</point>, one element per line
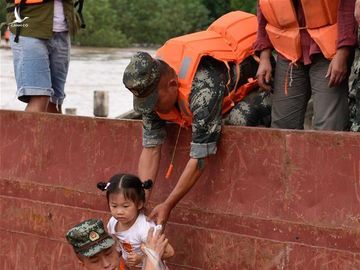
<point>269,199</point>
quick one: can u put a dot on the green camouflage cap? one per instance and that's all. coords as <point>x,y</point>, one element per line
<point>89,237</point>
<point>141,77</point>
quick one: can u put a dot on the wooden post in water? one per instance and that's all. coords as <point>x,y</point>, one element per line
<point>101,103</point>
<point>71,111</point>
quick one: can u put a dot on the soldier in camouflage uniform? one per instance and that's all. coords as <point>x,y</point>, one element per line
<point>93,246</point>
<point>96,250</point>
<point>155,87</point>
<point>354,95</point>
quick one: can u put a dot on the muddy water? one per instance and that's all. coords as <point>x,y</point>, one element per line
<point>90,69</point>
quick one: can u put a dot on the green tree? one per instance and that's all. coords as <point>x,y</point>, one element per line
<point>2,14</point>
<point>155,21</point>
<point>217,8</point>
<point>101,27</point>
<point>244,5</point>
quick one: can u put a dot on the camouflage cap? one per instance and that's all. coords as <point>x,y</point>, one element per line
<point>141,77</point>
<point>89,237</point>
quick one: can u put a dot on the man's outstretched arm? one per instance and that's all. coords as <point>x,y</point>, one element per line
<point>154,134</point>
<point>149,163</point>
<point>148,166</point>
<point>188,178</point>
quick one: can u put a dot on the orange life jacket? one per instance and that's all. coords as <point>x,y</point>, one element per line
<point>228,39</point>
<point>29,2</point>
<point>284,31</point>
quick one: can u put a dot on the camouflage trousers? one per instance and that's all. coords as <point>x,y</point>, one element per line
<point>253,110</point>
<point>354,95</point>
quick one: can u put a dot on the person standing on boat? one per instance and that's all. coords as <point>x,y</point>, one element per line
<point>40,43</point>
<point>196,80</point>
<point>355,89</point>
<point>315,41</point>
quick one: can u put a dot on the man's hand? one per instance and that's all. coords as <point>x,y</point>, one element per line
<point>338,68</point>
<point>264,73</point>
<point>156,241</point>
<point>160,213</point>
<point>133,259</point>
<point>357,11</point>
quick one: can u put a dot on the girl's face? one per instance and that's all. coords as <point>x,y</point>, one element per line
<point>125,211</point>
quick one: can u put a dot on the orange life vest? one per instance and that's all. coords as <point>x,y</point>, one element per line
<point>228,39</point>
<point>27,2</point>
<point>284,31</point>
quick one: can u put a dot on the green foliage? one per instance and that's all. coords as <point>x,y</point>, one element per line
<point>2,14</point>
<point>217,8</point>
<point>147,22</point>
<point>244,5</point>
<point>155,21</point>
<point>101,30</point>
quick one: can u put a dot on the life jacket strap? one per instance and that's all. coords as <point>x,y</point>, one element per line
<point>289,75</point>
<point>80,3</point>
<point>171,166</point>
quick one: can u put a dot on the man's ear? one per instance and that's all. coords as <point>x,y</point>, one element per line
<point>81,263</point>
<point>173,83</point>
<point>80,260</point>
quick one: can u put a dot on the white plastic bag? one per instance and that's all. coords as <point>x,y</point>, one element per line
<point>154,259</point>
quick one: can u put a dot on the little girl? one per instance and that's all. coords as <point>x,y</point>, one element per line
<point>126,198</point>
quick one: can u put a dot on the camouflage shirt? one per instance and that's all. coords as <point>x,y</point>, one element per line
<point>209,87</point>
<point>354,95</point>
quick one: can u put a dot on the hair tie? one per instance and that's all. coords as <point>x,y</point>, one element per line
<point>107,185</point>
<point>147,184</point>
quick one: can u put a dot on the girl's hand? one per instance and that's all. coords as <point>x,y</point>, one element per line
<point>338,68</point>
<point>133,259</point>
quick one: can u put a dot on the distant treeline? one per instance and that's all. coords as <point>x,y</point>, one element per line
<point>122,23</point>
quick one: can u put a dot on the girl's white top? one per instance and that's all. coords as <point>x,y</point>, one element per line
<point>131,239</point>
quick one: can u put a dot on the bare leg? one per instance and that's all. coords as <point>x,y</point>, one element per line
<point>37,104</point>
<point>52,108</point>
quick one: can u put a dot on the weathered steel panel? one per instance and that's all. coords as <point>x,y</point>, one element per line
<point>269,199</point>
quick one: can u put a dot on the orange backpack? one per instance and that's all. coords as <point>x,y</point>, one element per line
<point>228,39</point>
<point>284,31</point>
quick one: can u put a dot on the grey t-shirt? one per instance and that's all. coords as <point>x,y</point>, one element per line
<point>59,22</point>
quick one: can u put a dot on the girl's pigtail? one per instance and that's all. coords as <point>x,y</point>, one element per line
<point>103,186</point>
<point>147,184</point>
